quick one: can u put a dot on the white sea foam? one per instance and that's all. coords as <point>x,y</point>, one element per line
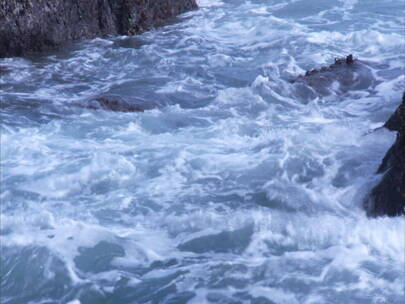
<point>209,3</point>
<point>240,185</point>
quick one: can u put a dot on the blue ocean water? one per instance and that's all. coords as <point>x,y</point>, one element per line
<point>238,185</point>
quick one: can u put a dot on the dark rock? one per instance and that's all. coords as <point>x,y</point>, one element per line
<point>388,197</point>
<point>397,120</point>
<point>116,105</point>
<point>349,73</point>
<point>348,60</point>
<point>38,25</point>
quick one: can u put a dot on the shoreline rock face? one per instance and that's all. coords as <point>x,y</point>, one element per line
<point>39,25</point>
<point>388,197</point>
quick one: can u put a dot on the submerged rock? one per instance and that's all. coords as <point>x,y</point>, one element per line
<point>346,61</point>
<point>388,197</point>
<point>30,26</point>
<point>4,70</point>
<point>117,104</point>
<point>347,73</point>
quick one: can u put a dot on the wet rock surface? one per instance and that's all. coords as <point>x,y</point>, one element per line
<point>388,197</point>
<point>347,61</point>
<point>115,104</point>
<point>346,73</point>
<point>37,25</point>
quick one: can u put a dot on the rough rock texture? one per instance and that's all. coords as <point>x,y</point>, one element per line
<point>115,104</point>
<point>347,72</point>
<point>38,25</point>
<point>348,60</point>
<point>388,197</point>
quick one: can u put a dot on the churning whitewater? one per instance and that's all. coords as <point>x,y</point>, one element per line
<point>237,184</point>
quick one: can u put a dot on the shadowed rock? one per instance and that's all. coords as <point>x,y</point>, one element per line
<point>397,120</point>
<point>38,25</point>
<point>349,60</point>
<point>388,197</point>
<point>117,104</point>
<point>344,74</point>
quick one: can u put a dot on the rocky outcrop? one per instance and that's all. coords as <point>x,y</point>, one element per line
<point>116,104</point>
<point>345,74</point>
<point>38,25</point>
<point>388,197</point>
<point>348,60</point>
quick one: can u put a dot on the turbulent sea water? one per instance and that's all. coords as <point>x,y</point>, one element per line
<point>239,185</point>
